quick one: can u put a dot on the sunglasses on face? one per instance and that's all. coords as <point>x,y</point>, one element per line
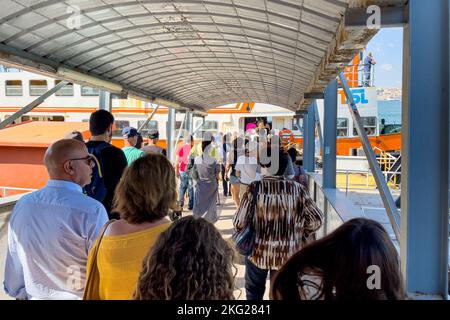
<point>89,160</point>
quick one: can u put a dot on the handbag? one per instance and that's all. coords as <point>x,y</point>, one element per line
<point>91,288</point>
<point>245,238</point>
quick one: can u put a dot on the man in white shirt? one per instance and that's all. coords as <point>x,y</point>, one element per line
<point>51,230</point>
<point>247,167</point>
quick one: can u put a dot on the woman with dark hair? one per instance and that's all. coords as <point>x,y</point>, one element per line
<point>206,183</point>
<point>189,261</point>
<point>143,197</point>
<point>284,217</point>
<point>341,266</point>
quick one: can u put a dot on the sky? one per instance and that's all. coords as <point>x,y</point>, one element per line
<point>386,48</point>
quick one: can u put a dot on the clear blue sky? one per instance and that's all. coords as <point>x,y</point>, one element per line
<point>387,47</point>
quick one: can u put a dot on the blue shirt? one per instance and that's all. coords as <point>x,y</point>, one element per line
<point>49,235</point>
<point>368,61</point>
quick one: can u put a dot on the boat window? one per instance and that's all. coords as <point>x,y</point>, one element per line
<point>342,127</point>
<point>66,91</point>
<point>208,126</point>
<point>177,128</point>
<point>13,88</point>
<point>88,91</point>
<point>151,125</point>
<point>120,124</point>
<point>369,124</point>
<point>38,87</point>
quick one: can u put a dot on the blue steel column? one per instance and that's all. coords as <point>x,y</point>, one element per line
<point>425,150</point>
<point>308,141</point>
<point>105,101</point>
<point>189,120</point>
<point>171,134</point>
<point>329,136</point>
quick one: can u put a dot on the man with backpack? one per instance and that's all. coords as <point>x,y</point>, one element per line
<point>110,160</point>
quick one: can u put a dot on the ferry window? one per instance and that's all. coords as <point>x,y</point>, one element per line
<point>57,118</point>
<point>151,125</point>
<point>65,91</point>
<point>369,124</point>
<point>13,88</point>
<point>208,125</point>
<point>88,91</point>
<point>38,87</point>
<point>85,120</point>
<point>342,127</point>
<point>120,124</point>
<point>25,118</point>
<point>177,128</point>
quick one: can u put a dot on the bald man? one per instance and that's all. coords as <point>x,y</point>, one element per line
<point>51,230</point>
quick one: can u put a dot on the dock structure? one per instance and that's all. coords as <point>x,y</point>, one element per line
<point>191,55</point>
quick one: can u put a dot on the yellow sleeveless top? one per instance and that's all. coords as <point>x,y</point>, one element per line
<point>119,262</point>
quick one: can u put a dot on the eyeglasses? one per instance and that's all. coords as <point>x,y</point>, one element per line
<point>90,159</point>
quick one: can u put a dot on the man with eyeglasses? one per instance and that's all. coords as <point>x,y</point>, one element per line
<point>51,230</point>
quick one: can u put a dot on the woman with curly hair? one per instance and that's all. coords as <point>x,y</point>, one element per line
<point>189,261</point>
<point>143,197</point>
<point>340,266</point>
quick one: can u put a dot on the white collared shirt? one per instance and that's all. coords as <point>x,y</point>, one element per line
<point>49,236</point>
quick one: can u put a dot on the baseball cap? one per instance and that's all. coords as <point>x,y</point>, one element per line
<point>153,134</point>
<point>129,132</point>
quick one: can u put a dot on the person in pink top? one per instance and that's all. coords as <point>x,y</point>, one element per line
<point>250,126</point>
<point>180,169</point>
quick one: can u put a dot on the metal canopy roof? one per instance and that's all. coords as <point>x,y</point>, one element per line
<point>197,54</point>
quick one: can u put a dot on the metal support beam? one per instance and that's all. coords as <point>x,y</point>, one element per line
<point>425,149</point>
<point>171,133</point>
<point>181,130</point>
<point>149,118</point>
<point>189,120</point>
<point>199,126</point>
<point>329,133</point>
<point>313,95</point>
<point>32,105</point>
<point>319,126</point>
<point>389,17</point>
<point>385,193</point>
<point>308,141</point>
<point>105,101</point>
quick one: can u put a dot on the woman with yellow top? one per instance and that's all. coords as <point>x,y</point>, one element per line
<point>143,197</point>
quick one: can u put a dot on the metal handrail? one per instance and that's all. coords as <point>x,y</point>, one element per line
<point>5,188</point>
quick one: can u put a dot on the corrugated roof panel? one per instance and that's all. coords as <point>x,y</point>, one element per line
<point>201,52</point>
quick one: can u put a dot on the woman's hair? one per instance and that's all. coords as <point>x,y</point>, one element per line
<point>293,154</point>
<point>344,262</point>
<point>146,190</point>
<point>189,261</point>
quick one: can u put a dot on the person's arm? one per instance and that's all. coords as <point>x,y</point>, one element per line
<point>14,282</point>
<point>311,215</point>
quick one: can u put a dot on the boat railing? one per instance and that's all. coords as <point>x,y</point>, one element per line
<point>358,77</point>
<point>367,182</point>
<point>8,191</point>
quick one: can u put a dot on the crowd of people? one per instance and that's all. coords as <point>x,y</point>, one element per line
<point>101,228</point>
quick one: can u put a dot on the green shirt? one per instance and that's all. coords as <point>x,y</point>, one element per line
<point>132,153</point>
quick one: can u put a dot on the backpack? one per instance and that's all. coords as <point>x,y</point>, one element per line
<point>191,168</point>
<point>97,189</point>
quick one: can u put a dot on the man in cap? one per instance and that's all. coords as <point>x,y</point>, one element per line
<point>130,137</point>
<point>153,137</point>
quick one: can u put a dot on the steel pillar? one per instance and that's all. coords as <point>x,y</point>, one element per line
<point>385,193</point>
<point>105,101</point>
<point>329,135</point>
<point>189,120</point>
<point>32,105</point>
<point>425,149</point>
<point>171,134</point>
<point>308,141</point>
<point>319,126</point>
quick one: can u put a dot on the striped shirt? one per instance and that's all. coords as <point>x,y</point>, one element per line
<point>285,214</point>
